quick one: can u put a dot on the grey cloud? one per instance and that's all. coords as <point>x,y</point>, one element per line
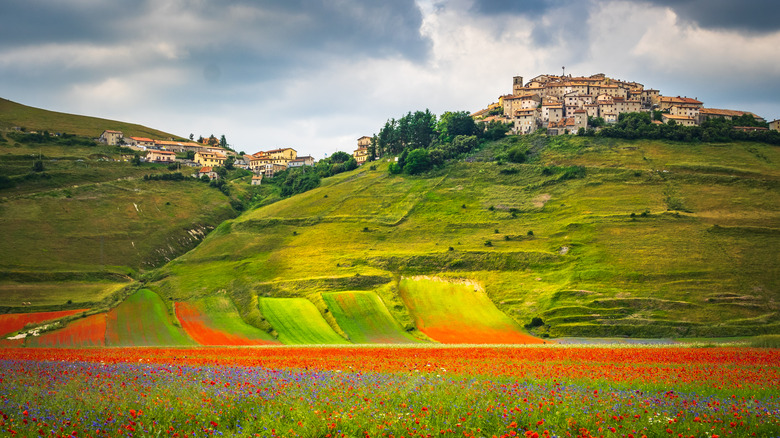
<point>529,8</point>
<point>340,26</point>
<point>752,16</point>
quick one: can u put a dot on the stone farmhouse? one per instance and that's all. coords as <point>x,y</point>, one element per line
<point>563,104</point>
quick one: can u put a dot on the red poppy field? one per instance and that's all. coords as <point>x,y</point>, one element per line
<point>393,392</point>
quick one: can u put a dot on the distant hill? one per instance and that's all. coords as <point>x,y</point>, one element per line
<point>14,114</point>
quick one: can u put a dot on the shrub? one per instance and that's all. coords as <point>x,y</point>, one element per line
<point>530,232</point>
<point>516,155</point>
<point>488,243</point>
<point>418,161</point>
<point>535,322</point>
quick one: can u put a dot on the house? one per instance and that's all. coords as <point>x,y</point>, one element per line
<point>691,111</point>
<point>525,121</point>
<point>270,169</point>
<point>774,125</point>
<point>207,171</point>
<point>111,138</point>
<point>139,143</point>
<point>155,156</point>
<point>257,179</point>
<point>361,153</point>
<point>563,126</point>
<point>280,156</point>
<point>666,102</point>
<point>209,158</point>
<point>680,120</point>
<point>301,161</point>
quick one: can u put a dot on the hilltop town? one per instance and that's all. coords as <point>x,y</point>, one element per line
<point>565,104</point>
<point>555,104</point>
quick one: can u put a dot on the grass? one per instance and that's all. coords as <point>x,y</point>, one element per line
<point>135,224</point>
<point>584,237</point>
<point>297,321</point>
<point>55,294</point>
<point>141,320</point>
<point>13,114</point>
<point>364,317</point>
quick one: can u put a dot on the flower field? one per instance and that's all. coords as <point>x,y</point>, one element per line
<point>453,313</point>
<point>393,392</point>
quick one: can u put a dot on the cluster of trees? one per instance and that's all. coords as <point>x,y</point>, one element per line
<point>423,141</point>
<point>639,125</point>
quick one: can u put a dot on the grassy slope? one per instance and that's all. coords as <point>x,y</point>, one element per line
<point>364,317</point>
<point>88,215</point>
<point>589,268</point>
<point>297,321</point>
<point>459,313</point>
<point>143,320</point>
<point>215,321</point>
<point>34,119</point>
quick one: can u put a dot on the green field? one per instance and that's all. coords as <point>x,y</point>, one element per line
<point>297,321</point>
<point>654,239</point>
<point>365,319</point>
<point>143,319</point>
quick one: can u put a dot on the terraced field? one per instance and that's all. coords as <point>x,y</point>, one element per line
<point>13,322</point>
<point>215,321</point>
<point>365,319</point>
<point>453,313</point>
<point>143,320</point>
<point>84,332</point>
<point>297,321</point>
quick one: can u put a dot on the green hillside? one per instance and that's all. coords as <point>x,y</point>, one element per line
<point>83,224</point>
<point>14,114</point>
<point>597,237</point>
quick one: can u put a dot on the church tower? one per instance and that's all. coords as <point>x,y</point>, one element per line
<point>517,85</point>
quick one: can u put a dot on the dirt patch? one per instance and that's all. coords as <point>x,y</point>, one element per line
<point>542,199</point>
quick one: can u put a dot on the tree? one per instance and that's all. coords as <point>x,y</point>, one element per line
<point>340,157</point>
<point>299,180</point>
<point>205,178</point>
<point>221,171</point>
<point>38,166</point>
<point>190,155</point>
<point>136,160</point>
<point>452,124</point>
<point>229,163</point>
<point>418,161</point>
<point>350,164</point>
<point>223,142</point>
<point>373,154</point>
<point>192,136</point>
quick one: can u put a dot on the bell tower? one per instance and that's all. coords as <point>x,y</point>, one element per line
<point>517,85</point>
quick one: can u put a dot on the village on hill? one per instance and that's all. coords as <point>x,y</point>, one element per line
<point>208,155</point>
<point>553,104</point>
<point>564,104</point>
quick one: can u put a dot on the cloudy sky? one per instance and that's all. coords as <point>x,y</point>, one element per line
<point>317,74</point>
